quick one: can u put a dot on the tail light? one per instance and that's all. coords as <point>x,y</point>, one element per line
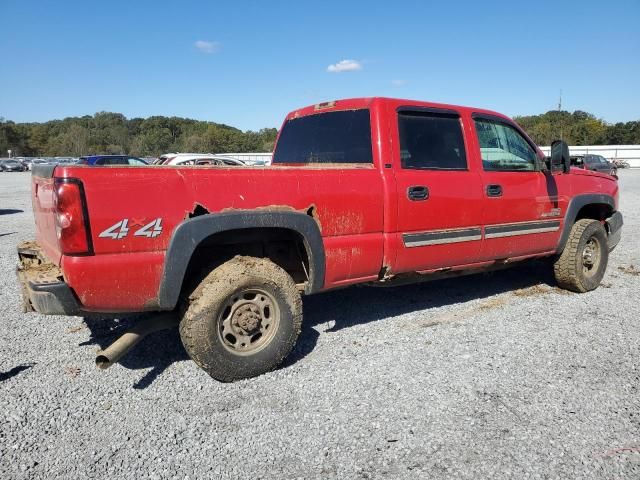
<point>72,223</point>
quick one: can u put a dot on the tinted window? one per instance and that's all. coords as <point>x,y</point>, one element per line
<point>332,137</point>
<point>503,148</point>
<point>431,141</point>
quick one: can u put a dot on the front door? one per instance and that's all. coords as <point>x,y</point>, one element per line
<point>439,197</point>
<point>523,208</point>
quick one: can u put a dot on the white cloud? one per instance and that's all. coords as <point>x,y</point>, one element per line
<point>207,47</point>
<point>398,83</point>
<point>345,66</point>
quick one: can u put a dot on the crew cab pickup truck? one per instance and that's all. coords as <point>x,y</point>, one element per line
<point>360,191</point>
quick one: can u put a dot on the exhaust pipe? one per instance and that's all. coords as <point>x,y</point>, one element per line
<point>118,349</point>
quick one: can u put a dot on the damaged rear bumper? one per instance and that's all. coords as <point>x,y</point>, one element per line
<point>43,287</point>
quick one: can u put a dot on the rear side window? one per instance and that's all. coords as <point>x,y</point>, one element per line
<point>431,141</point>
<point>332,137</point>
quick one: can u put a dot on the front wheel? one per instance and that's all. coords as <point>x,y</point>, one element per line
<point>242,320</point>
<point>583,261</point>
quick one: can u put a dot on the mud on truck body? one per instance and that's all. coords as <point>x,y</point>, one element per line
<point>368,190</point>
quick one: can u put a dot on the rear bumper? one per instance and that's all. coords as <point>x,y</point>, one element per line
<point>43,288</point>
<point>614,228</point>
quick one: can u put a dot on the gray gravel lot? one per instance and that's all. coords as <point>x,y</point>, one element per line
<point>490,376</point>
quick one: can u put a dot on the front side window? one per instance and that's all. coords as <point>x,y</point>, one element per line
<point>431,141</point>
<point>503,148</point>
<point>332,137</point>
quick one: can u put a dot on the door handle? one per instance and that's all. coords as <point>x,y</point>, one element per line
<point>418,192</point>
<point>494,190</point>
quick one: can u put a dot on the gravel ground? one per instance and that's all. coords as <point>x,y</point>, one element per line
<point>500,376</point>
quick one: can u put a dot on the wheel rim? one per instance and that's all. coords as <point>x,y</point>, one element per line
<point>591,257</point>
<point>248,320</point>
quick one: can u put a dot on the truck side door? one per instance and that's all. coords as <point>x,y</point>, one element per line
<point>439,196</point>
<point>523,205</point>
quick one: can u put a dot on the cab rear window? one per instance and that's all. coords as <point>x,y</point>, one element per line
<point>331,137</point>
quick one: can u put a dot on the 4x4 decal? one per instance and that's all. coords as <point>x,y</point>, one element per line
<point>121,229</point>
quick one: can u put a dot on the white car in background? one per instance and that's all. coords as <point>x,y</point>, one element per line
<point>185,159</point>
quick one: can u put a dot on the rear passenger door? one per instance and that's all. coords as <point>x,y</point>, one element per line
<point>590,162</point>
<point>603,164</point>
<point>439,196</point>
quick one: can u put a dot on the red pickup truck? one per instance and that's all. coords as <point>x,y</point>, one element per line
<point>360,190</point>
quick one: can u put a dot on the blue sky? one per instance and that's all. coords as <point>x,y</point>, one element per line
<point>247,64</point>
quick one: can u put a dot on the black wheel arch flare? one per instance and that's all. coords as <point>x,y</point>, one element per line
<point>189,234</point>
<point>575,205</point>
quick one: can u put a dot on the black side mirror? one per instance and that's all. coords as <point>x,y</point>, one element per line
<point>560,159</point>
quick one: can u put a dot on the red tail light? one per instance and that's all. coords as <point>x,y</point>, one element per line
<point>72,225</point>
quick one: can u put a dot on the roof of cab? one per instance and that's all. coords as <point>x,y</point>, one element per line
<point>367,102</point>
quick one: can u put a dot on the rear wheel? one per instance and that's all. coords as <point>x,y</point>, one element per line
<point>583,261</point>
<point>243,319</point>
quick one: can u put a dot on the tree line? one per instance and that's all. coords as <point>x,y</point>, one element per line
<point>578,128</point>
<point>113,133</point>
<point>107,132</point>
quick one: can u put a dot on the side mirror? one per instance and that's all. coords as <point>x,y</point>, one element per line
<point>560,159</point>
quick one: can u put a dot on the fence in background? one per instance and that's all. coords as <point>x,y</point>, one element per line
<point>628,153</point>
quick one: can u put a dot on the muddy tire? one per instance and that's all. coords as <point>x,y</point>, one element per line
<point>242,320</point>
<point>583,261</point>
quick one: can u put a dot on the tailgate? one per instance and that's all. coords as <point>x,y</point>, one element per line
<point>42,198</point>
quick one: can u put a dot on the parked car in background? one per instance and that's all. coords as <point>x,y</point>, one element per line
<point>38,161</point>
<point>64,160</point>
<point>250,158</point>
<point>220,161</point>
<point>621,163</point>
<point>167,157</point>
<point>186,159</point>
<point>26,162</point>
<point>111,160</point>
<point>11,165</point>
<point>596,163</point>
